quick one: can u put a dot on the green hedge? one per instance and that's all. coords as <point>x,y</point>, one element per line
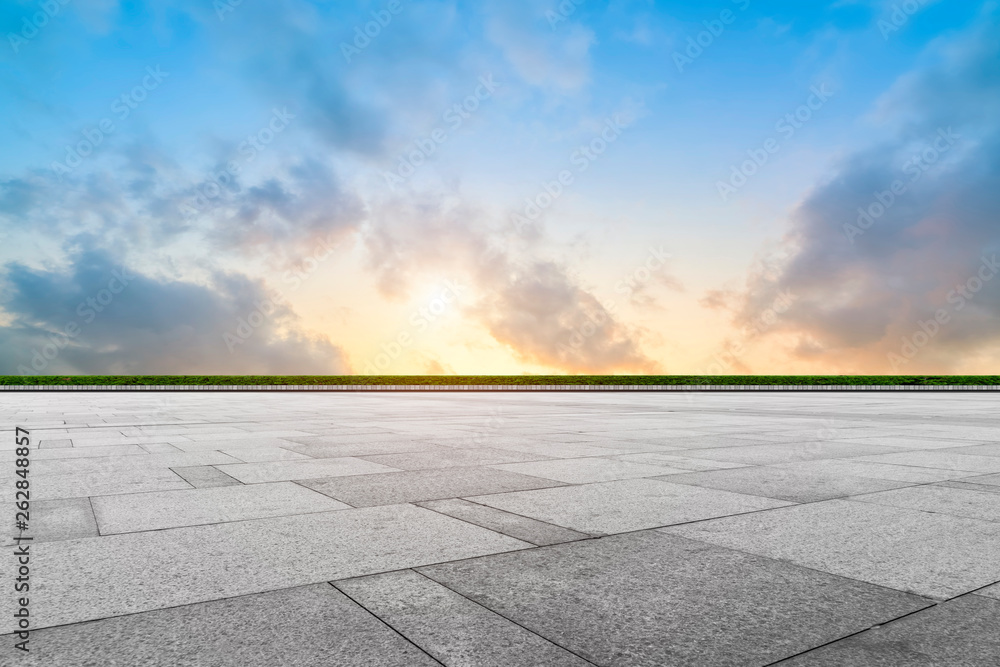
<point>265,380</point>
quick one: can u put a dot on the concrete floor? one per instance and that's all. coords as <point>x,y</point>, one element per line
<point>800,529</point>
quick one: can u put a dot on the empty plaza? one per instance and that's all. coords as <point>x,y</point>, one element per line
<point>529,528</point>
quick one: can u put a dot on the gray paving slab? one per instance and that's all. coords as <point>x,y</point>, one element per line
<point>132,513</point>
<point>57,443</point>
<point>960,632</point>
<point>566,450</point>
<point>986,449</point>
<point>52,520</point>
<point>584,470</point>
<point>279,471</point>
<point>941,460</point>
<point>311,626</point>
<point>104,483</point>
<point>366,448</point>
<point>915,441</point>
<point>81,580</point>
<point>126,463</point>
<point>159,448</point>
<point>625,505</point>
<point>513,525</point>
<point>855,468</point>
<point>990,591</point>
<point>652,599</point>
<point>77,453</point>
<point>774,482</point>
<point>452,628</point>
<point>205,477</point>
<point>788,453</point>
<point>248,440</point>
<point>959,484</point>
<point>680,464</point>
<point>262,454</point>
<point>973,504</point>
<point>988,480</point>
<point>415,485</point>
<point>935,555</point>
<point>449,457</point>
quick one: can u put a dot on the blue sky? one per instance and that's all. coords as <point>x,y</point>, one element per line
<point>249,164</point>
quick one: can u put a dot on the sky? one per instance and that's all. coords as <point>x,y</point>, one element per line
<point>501,186</point>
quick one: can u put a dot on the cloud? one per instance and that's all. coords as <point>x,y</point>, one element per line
<point>530,304</point>
<point>863,285</point>
<point>96,316</point>
<point>542,54</point>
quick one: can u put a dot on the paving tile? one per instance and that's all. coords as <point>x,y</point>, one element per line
<point>855,468</point>
<point>62,467</point>
<point>909,442</point>
<point>205,477</point>
<point>278,471</point>
<point>77,453</point>
<point>107,482</point>
<point>248,440</point>
<point>311,626</point>
<point>585,470</point>
<point>262,454</point>
<point>514,525</point>
<point>447,458</point>
<point>959,484</point>
<point>989,480</point>
<point>640,599</point>
<point>63,519</point>
<point>621,506</point>
<point>957,632</point>
<point>80,580</point>
<point>770,454</point>
<point>679,464</point>
<point>990,591</point>
<point>54,444</point>
<point>172,509</point>
<point>253,436</point>
<point>415,485</point>
<point>449,627</point>
<point>940,499</point>
<point>935,555</point>
<point>772,482</point>
<point>365,449</point>
<point>159,448</point>
<point>987,449</point>
<point>942,460</point>
<point>566,450</point>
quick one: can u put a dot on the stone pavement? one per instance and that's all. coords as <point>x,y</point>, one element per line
<point>800,529</point>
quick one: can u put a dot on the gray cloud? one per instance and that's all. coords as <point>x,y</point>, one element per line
<point>862,285</point>
<point>98,317</point>
<point>533,306</point>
